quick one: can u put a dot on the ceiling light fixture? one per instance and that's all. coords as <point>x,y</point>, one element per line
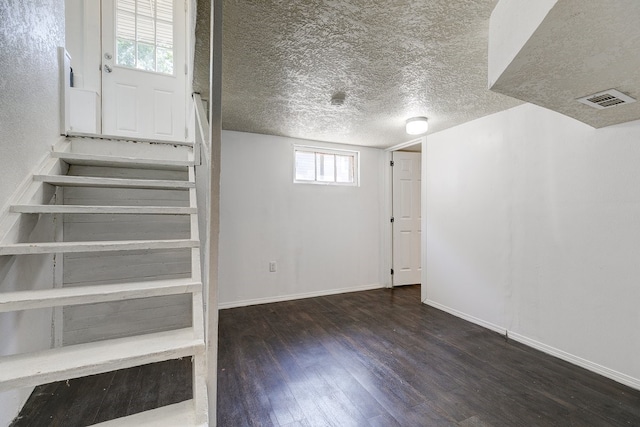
<point>417,125</point>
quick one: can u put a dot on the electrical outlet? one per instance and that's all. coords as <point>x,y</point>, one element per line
<point>273,267</point>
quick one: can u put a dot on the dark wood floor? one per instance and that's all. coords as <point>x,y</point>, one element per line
<point>90,400</point>
<point>380,358</point>
<point>375,358</point>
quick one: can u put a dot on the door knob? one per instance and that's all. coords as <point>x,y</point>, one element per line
<point>107,69</point>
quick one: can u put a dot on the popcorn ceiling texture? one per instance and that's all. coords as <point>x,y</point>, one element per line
<point>283,60</point>
<point>201,58</point>
<point>579,49</point>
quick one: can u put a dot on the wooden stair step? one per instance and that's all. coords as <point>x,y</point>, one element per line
<point>89,294</point>
<point>30,369</point>
<point>93,246</point>
<point>82,209</point>
<point>120,162</point>
<point>179,414</point>
<point>88,181</point>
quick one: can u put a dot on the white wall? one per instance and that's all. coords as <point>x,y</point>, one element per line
<point>325,239</point>
<point>83,42</point>
<point>533,227</point>
<point>29,35</point>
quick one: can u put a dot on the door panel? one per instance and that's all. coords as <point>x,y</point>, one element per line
<point>143,69</point>
<point>406,213</point>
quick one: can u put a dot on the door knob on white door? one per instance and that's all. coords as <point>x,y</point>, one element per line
<point>107,69</point>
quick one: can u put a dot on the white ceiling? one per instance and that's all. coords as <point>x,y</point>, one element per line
<point>578,49</point>
<point>283,61</point>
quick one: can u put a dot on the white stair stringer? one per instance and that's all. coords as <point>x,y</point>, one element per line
<point>73,361</point>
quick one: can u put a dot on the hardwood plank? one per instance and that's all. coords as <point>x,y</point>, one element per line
<point>117,395</point>
<point>379,357</point>
<point>399,362</point>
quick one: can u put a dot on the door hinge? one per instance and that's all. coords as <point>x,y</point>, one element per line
<point>392,219</point>
<point>392,163</point>
<point>392,271</point>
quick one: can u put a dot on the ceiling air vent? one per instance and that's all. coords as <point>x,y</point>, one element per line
<point>607,99</point>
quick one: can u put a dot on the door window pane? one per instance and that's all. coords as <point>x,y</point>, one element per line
<point>144,35</point>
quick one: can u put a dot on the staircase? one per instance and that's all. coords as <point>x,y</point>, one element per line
<point>129,291</point>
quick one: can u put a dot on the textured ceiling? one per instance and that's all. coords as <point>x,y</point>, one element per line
<point>580,48</point>
<point>283,61</point>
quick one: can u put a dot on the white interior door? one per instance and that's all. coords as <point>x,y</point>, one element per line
<point>406,214</point>
<point>143,69</point>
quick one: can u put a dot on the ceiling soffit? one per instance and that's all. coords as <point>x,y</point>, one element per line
<point>579,48</point>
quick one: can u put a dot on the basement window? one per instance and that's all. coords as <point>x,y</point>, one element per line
<point>315,165</point>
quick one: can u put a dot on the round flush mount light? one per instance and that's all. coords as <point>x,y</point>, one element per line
<point>417,125</point>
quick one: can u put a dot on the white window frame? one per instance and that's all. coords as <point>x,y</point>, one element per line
<point>322,150</point>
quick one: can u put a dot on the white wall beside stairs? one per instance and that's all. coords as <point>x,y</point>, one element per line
<point>29,70</point>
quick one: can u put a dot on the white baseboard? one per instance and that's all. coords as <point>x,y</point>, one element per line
<point>560,354</point>
<point>279,298</point>
<point>467,317</point>
<point>579,361</point>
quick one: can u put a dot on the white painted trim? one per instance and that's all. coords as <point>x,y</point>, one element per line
<point>560,354</point>
<point>94,209</point>
<point>91,294</point>
<point>111,138</point>
<point>579,361</point>
<point>98,246</point>
<point>424,283</point>
<point>387,229</point>
<point>88,181</point>
<point>28,369</point>
<point>177,414</point>
<point>290,297</point>
<point>123,162</point>
<point>499,329</point>
<point>64,76</point>
<point>411,143</point>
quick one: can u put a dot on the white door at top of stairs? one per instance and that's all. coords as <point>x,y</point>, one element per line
<point>143,69</point>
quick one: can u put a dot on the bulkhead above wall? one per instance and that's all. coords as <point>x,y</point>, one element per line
<point>552,53</point>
